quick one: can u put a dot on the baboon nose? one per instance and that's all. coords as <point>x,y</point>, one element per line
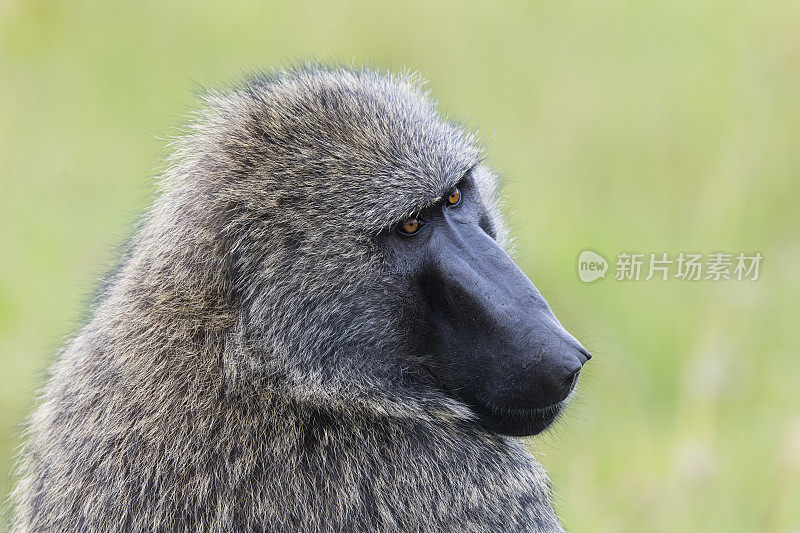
<point>583,353</point>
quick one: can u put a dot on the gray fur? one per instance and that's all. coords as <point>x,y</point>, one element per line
<point>242,371</point>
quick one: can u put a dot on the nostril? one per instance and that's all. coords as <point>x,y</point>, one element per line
<point>572,380</point>
<point>585,353</point>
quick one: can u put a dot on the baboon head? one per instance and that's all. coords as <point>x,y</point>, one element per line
<point>365,250</point>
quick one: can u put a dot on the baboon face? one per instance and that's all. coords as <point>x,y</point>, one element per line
<point>486,334</point>
<point>316,166</point>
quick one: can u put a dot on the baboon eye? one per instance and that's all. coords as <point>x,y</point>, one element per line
<point>410,226</point>
<point>454,197</point>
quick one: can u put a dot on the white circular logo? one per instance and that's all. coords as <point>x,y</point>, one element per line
<point>591,266</point>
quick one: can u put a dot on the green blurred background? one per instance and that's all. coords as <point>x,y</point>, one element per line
<point>616,125</point>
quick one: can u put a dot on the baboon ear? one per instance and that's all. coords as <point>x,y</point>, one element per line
<point>489,186</point>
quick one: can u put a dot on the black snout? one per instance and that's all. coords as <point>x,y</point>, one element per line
<point>556,371</point>
<point>506,354</point>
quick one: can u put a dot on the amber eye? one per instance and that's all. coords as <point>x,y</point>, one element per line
<point>454,197</point>
<point>411,226</point>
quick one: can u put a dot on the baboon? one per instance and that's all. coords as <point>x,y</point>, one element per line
<point>316,328</point>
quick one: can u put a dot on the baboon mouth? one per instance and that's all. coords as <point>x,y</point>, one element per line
<point>527,412</point>
<point>518,421</point>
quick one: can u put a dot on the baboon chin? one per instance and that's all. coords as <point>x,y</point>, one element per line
<point>317,328</point>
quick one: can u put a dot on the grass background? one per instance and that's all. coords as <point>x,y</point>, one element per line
<point>617,126</point>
